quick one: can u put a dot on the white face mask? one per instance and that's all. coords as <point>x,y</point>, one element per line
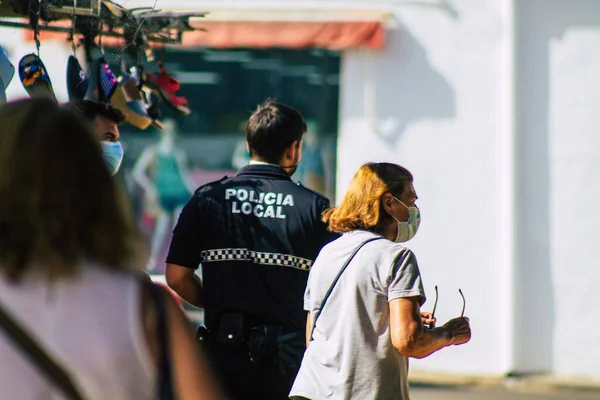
<point>408,229</point>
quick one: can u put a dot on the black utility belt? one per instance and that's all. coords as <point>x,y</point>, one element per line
<point>264,343</point>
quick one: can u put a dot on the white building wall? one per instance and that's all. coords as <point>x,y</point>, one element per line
<point>533,282</point>
<point>528,307</point>
<point>432,102</point>
<point>560,156</point>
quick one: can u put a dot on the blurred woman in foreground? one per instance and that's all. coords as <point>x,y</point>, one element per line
<point>68,252</point>
<point>364,321</point>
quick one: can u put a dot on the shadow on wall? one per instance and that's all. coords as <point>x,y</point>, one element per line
<point>533,288</point>
<point>538,24</point>
<point>399,91</point>
<point>444,6</point>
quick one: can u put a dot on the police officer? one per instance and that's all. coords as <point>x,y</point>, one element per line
<point>256,235</point>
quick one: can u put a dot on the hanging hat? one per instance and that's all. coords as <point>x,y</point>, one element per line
<point>35,78</point>
<point>129,100</point>
<point>107,82</point>
<point>77,80</point>
<point>7,71</point>
<point>93,64</point>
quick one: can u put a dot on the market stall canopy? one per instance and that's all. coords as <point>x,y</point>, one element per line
<point>331,29</point>
<point>329,35</point>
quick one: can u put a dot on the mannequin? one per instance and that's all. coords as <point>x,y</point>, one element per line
<point>241,156</point>
<point>162,174</point>
<point>311,171</point>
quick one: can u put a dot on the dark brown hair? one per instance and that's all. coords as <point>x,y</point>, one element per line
<point>59,205</point>
<point>272,128</point>
<point>361,206</point>
<point>91,109</point>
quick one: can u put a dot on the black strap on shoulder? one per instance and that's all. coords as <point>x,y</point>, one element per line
<point>165,376</point>
<point>337,278</point>
<point>38,357</point>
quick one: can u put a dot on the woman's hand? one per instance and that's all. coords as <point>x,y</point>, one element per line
<point>428,319</point>
<point>459,330</point>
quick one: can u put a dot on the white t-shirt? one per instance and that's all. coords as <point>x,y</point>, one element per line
<point>91,325</point>
<point>351,355</point>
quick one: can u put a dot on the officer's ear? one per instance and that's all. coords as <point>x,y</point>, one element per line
<point>289,154</point>
<point>293,152</point>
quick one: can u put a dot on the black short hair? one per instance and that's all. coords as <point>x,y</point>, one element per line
<point>272,128</point>
<point>92,109</point>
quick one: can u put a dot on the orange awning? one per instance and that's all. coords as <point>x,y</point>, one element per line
<point>331,35</point>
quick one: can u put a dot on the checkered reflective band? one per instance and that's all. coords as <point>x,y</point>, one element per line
<point>257,257</point>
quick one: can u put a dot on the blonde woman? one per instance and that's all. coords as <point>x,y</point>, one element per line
<point>67,276</point>
<point>364,296</point>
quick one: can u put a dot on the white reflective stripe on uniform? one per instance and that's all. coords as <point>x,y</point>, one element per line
<point>257,257</point>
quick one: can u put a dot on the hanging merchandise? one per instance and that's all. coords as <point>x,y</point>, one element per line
<point>77,80</point>
<point>93,56</point>
<point>35,78</point>
<point>92,79</point>
<point>154,109</point>
<point>7,71</point>
<point>149,98</point>
<point>32,72</point>
<point>166,86</point>
<point>127,97</point>
<point>107,82</point>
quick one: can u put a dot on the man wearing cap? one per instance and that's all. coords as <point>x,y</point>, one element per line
<point>105,120</point>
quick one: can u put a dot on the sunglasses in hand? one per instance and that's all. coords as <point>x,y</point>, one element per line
<point>462,313</point>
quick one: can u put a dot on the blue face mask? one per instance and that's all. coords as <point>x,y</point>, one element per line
<point>113,155</point>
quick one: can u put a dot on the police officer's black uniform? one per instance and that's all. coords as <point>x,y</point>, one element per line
<point>256,236</point>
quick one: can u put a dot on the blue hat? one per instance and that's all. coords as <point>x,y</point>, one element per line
<point>77,80</point>
<point>35,78</point>
<point>107,82</point>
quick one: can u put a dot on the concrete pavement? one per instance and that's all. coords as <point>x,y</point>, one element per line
<point>439,386</point>
<point>497,393</point>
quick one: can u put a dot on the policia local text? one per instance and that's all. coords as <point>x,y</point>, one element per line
<point>262,205</point>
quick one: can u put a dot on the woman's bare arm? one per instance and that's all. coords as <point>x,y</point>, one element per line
<point>308,329</point>
<point>411,339</point>
<point>192,376</point>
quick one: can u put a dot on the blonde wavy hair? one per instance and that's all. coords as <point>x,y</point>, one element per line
<point>361,207</point>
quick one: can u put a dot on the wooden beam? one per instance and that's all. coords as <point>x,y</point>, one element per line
<point>6,10</point>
